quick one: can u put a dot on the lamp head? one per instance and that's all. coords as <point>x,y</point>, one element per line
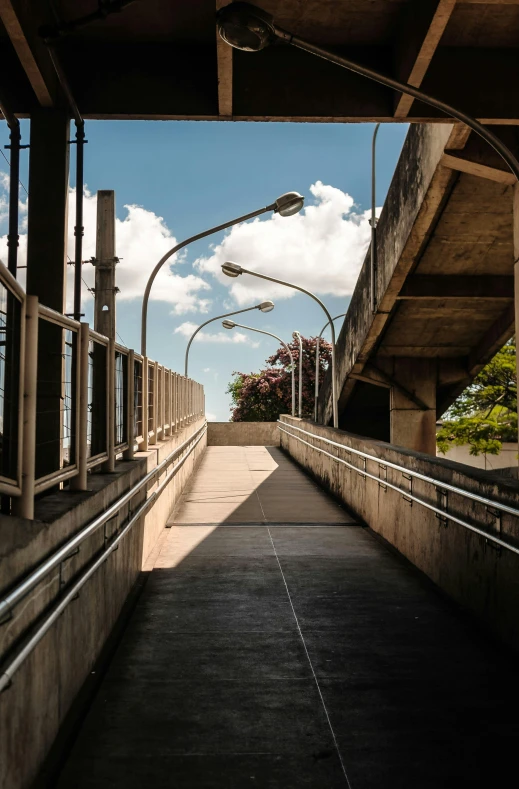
<point>232,269</point>
<point>289,204</point>
<point>266,306</point>
<point>245,26</point>
<point>228,324</point>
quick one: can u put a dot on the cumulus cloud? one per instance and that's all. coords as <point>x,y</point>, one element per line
<point>321,249</point>
<point>187,328</point>
<point>142,239</point>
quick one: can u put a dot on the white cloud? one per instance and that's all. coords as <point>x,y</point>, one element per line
<point>321,249</point>
<point>207,369</point>
<point>187,328</point>
<point>210,417</point>
<point>142,238</point>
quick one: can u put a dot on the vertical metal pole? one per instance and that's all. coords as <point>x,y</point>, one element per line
<point>317,370</point>
<point>373,221</point>
<point>145,404</point>
<point>24,506</point>
<point>297,335</point>
<point>14,196</point>
<point>78,228</point>
<point>130,424</point>
<point>110,408</point>
<point>80,482</point>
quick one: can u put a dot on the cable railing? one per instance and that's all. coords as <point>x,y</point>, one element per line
<point>442,488</point>
<point>72,400</point>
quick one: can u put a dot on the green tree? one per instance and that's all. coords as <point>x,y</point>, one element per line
<point>485,415</point>
<point>263,396</point>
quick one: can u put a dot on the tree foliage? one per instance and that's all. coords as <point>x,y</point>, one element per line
<point>263,396</point>
<point>485,415</point>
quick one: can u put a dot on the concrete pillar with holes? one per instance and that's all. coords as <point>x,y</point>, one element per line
<point>105,262</point>
<point>46,278</point>
<point>413,404</point>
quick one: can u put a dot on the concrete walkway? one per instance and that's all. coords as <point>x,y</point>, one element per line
<point>278,644</point>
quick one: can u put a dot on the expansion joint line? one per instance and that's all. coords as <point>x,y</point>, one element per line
<point>310,662</point>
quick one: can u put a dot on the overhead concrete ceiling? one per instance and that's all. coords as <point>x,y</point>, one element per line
<point>161,59</point>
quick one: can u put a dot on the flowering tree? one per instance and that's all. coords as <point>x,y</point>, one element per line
<point>263,396</point>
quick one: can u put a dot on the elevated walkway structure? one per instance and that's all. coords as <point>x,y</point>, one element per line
<point>278,643</point>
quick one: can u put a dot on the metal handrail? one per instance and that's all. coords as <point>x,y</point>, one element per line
<point>7,675</point>
<point>437,483</point>
<point>28,584</point>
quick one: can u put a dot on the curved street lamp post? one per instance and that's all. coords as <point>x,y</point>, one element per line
<point>234,270</point>
<point>297,336</point>
<point>249,28</point>
<point>232,325</point>
<point>316,396</point>
<point>288,204</point>
<point>265,306</point>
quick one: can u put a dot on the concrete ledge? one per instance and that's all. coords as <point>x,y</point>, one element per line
<point>33,708</point>
<point>242,434</point>
<point>460,562</point>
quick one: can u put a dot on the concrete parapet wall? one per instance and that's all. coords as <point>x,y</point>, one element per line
<point>242,434</point>
<point>459,561</point>
<point>35,705</point>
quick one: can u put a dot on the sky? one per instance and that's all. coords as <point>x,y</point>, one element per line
<point>175,179</point>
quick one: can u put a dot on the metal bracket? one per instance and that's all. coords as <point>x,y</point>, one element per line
<point>497,515</point>
<point>70,556</point>
<point>406,498</point>
<point>443,498</point>
<point>383,479</point>
<point>362,472</point>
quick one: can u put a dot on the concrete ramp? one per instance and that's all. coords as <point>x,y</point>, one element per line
<point>279,645</point>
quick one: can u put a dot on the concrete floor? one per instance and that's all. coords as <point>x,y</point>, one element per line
<point>278,644</point>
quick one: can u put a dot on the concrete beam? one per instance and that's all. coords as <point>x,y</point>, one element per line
<point>224,60</point>
<point>475,168</point>
<point>423,286</point>
<point>30,51</point>
<point>422,29</point>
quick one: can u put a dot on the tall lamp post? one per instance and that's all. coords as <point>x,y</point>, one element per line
<point>286,205</point>
<point>297,336</point>
<point>234,270</point>
<point>232,325</point>
<point>249,28</point>
<point>316,395</point>
<point>265,306</point>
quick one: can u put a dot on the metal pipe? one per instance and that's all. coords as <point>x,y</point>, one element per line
<point>318,300</point>
<point>317,345</point>
<point>145,398</point>
<point>51,33</point>
<point>24,506</point>
<point>130,423</point>
<point>7,676</point>
<point>373,221</point>
<point>287,348</point>
<point>80,481</point>
<point>14,197</point>
<point>78,227</point>
<point>218,317</point>
<point>409,495</point>
<point>110,408</point>
<point>297,336</point>
<point>174,250</point>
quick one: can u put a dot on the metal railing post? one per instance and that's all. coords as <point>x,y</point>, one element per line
<point>24,505</point>
<point>130,422</point>
<point>154,422</point>
<point>80,481</point>
<point>145,404</point>
<point>110,408</point>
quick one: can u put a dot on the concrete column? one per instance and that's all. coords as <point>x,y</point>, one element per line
<point>104,317</point>
<point>413,404</point>
<point>516,263</point>
<point>46,270</point>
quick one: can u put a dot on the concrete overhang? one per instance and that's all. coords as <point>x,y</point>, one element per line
<point>161,59</point>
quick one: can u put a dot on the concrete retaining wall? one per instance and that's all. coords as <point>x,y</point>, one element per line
<point>458,561</point>
<point>242,434</point>
<point>33,708</point>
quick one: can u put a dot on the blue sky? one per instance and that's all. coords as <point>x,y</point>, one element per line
<point>195,175</point>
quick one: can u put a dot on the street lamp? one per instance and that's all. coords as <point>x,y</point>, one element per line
<point>265,306</point>
<point>316,396</point>
<point>232,325</point>
<point>249,28</point>
<point>297,336</point>
<point>234,270</point>
<point>286,205</point>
